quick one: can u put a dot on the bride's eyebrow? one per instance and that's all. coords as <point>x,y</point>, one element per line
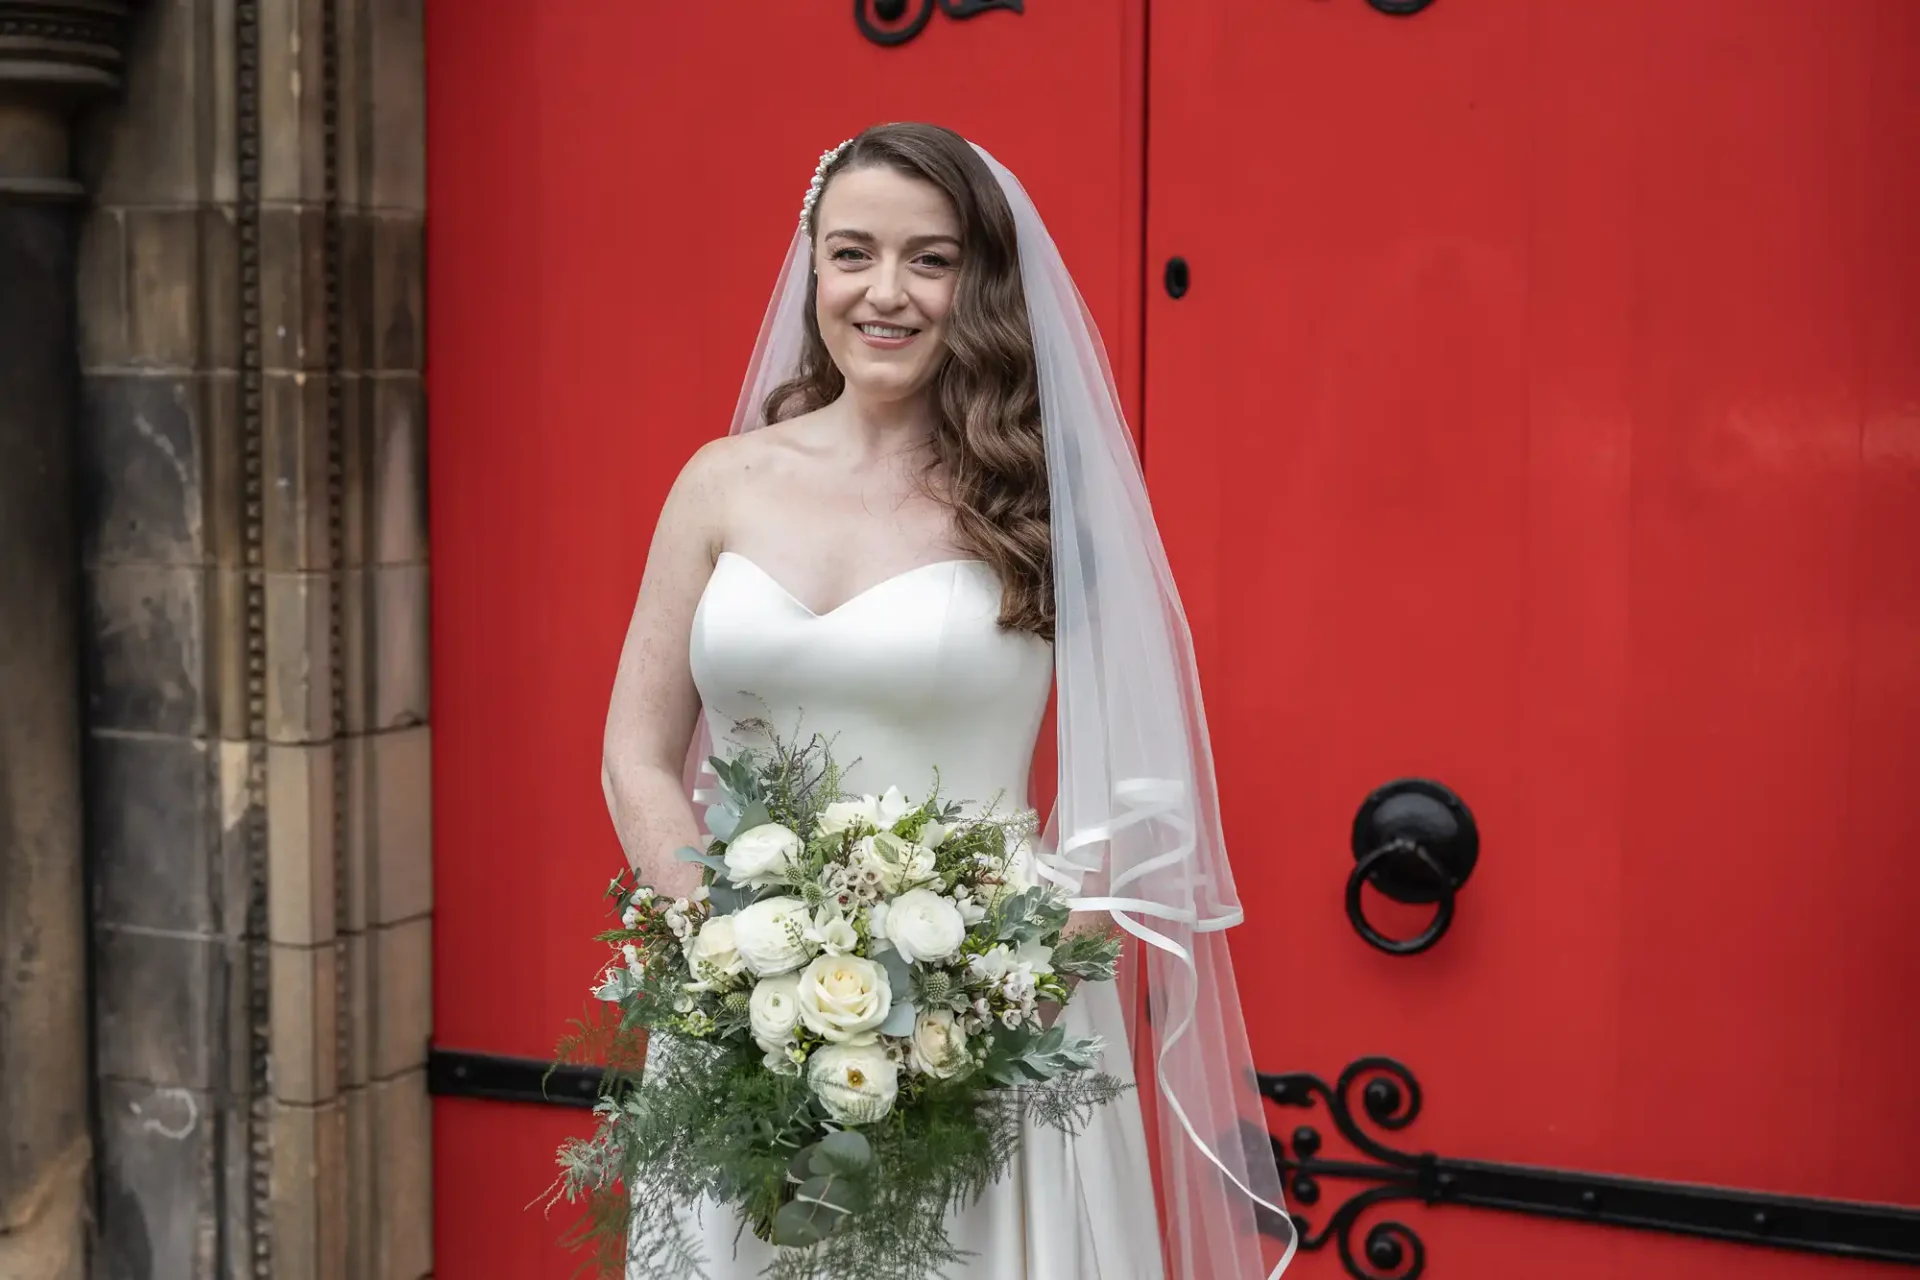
<point>913,242</point>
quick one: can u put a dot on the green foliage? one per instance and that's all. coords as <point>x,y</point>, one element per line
<point>1031,915</point>
<point>691,1110</point>
<point>870,1203</point>
<point>1091,956</point>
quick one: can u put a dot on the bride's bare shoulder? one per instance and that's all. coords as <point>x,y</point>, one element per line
<point>723,467</point>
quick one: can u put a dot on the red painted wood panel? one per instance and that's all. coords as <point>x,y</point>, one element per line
<point>1545,418</point>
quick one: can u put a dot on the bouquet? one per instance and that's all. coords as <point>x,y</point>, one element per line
<point>844,1027</point>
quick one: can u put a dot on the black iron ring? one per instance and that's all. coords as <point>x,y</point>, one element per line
<point>890,11</point>
<point>1443,911</point>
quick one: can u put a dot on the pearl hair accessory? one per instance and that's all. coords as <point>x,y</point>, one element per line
<point>819,182</point>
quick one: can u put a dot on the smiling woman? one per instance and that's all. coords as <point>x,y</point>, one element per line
<point>929,436</point>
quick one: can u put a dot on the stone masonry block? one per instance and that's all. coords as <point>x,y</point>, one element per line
<point>160,1006</point>
<point>300,851</point>
<point>399,257</point>
<point>309,1191</point>
<point>399,469</point>
<point>403,1134</point>
<point>401,995</point>
<point>305,1010</point>
<point>152,833</point>
<point>102,279</point>
<point>142,495</point>
<point>145,649</point>
<point>400,853</point>
<point>400,645</point>
<point>158,1157</point>
<point>397,105</point>
<point>163,312</point>
<point>293,293</point>
<point>299,657</point>
<point>292,120</point>
<point>295,447</point>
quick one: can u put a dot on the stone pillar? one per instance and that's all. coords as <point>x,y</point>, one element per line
<point>55,56</point>
<point>255,597</point>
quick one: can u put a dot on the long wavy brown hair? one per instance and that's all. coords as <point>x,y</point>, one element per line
<point>987,448</point>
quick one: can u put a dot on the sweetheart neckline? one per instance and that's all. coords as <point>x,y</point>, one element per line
<point>861,594</point>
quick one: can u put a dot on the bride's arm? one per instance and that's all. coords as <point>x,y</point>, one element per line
<point>651,717</point>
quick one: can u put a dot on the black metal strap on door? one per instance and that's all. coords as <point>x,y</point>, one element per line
<point>1390,1098</point>
<point>460,1073</point>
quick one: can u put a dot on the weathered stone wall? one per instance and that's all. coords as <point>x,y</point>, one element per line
<point>253,531</point>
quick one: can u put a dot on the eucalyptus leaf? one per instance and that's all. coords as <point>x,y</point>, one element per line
<point>901,1017</point>
<point>834,1194</point>
<point>711,861</point>
<point>727,898</point>
<point>798,1225</point>
<point>753,814</point>
<point>844,1152</point>
<point>723,822</point>
<point>899,974</point>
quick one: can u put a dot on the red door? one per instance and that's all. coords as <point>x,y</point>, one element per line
<point>1543,418</point>
<point>613,187</point>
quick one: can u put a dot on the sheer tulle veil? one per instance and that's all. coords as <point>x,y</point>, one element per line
<point>1135,830</point>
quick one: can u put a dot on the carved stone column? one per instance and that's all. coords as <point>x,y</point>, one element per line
<point>55,57</point>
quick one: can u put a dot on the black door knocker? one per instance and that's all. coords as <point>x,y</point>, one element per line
<point>1416,842</point>
<point>888,22</point>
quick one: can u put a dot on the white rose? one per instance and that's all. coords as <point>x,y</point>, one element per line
<point>712,954</point>
<point>762,856</point>
<point>774,1010</point>
<point>933,835</point>
<point>842,997</point>
<point>939,1045</point>
<point>770,935</point>
<point>857,1082</point>
<point>842,815</point>
<point>900,864</point>
<point>924,927</point>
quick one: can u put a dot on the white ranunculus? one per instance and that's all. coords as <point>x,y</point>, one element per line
<point>712,953</point>
<point>999,960</point>
<point>774,1010</point>
<point>843,997</point>
<point>939,1045</point>
<point>762,856</point>
<point>924,927</point>
<point>842,815</point>
<point>857,1082</point>
<point>1015,872</point>
<point>878,812</point>
<point>893,806</point>
<point>933,835</point>
<point>770,935</point>
<point>832,932</point>
<point>901,864</point>
<point>1019,873</point>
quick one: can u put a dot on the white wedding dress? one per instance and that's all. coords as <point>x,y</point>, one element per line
<point>911,676</point>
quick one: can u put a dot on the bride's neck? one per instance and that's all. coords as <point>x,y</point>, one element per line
<point>887,426</point>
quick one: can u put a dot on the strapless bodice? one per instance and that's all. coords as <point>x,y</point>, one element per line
<point>910,676</point>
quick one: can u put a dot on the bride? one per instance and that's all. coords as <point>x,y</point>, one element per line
<point>927,519</point>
